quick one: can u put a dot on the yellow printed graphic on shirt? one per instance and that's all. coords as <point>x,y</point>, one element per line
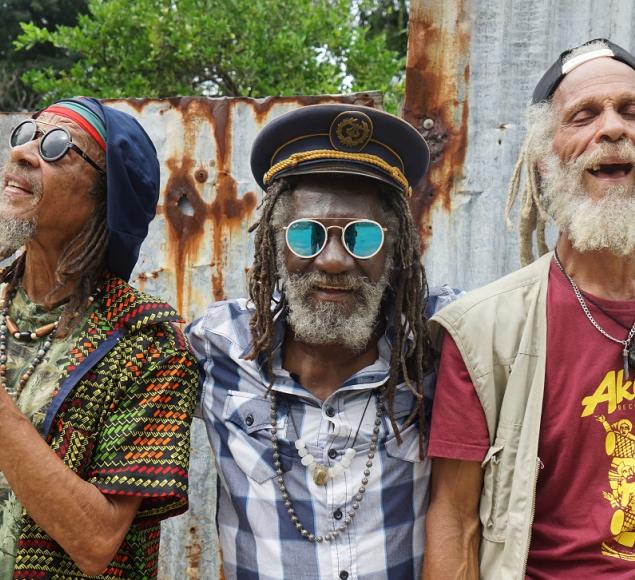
<point>616,394</point>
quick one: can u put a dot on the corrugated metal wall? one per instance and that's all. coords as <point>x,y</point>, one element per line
<point>472,66</point>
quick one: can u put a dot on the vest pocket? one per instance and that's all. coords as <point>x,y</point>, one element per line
<point>493,513</point>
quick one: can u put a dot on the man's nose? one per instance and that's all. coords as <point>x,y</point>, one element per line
<point>26,154</point>
<point>334,258</point>
<point>613,127</point>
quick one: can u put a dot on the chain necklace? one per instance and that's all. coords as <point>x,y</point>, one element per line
<point>628,352</point>
<point>358,497</point>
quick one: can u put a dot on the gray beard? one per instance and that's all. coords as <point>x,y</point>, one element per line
<point>14,233</point>
<point>322,322</point>
<point>602,224</point>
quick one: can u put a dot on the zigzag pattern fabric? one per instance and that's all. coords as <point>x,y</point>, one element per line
<point>124,427</point>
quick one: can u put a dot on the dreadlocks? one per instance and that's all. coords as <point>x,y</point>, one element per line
<point>533,217</point>
<point>409,292</point>
<point>84,260</point>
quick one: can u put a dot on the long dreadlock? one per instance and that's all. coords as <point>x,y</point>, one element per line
<point>533,217</point>
<point>83,260</point>
<point>409,292</point>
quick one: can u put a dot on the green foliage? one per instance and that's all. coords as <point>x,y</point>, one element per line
<point>255,48</point>
<point>14,95</point>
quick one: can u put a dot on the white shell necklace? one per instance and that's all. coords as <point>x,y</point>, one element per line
<point>322,473</point>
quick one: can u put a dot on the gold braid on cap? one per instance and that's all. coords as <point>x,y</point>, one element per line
<point>298,158</point>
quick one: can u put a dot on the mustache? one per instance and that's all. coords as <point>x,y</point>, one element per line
<point>345,281</point>
<point>23,173</point>
<point>622,151</point>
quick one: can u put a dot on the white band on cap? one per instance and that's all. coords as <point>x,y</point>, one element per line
<point>576,61</point>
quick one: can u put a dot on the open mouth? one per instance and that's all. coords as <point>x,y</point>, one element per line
<point>611,170</point>
<point>16,186</point>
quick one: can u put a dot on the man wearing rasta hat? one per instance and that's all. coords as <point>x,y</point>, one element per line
<point>317,388</point>
<point>534,400</point>
<point>97,383</point>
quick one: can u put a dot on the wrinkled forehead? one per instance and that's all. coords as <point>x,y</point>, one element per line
<point>47,121</point>
<point>600,78</point>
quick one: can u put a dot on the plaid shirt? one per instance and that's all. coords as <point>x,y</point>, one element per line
<point>257,537</point>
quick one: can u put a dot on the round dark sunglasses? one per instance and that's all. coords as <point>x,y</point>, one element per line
<point>54,144</point>
<point>362,239</point>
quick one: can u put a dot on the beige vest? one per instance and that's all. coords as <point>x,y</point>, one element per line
<point>501,332</point>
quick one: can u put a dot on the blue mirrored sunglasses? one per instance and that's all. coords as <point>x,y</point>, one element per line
<point>306,237</point>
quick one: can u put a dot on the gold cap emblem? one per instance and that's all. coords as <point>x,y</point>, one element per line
<point>351,131</point>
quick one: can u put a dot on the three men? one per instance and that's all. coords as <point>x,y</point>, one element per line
<point>533,409</point>
<point>97,383</point>
<point>314,395</point>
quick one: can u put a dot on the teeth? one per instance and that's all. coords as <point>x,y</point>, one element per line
<point>13,184</point>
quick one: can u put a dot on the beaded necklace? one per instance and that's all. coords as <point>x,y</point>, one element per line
<point>8,326</point>
<point>358,497</point>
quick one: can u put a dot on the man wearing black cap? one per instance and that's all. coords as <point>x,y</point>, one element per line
<point>534,402</point>
<point>315,390</point>
<point>97,383</point>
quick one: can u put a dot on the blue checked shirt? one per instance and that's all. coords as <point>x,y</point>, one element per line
<point>258,539</point>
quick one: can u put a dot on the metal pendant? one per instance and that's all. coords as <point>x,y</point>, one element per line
<point>631,360</point>
<point>320,475</point>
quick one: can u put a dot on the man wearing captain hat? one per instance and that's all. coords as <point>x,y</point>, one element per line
<point>316,394</point>
<point>97,383</point>
<point>534,401</point>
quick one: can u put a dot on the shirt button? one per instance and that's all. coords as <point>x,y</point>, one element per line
<point>249,419</point>
<point>337,514</point>
<point>332,453</point>
<point>343,574</point>
<point>330,411</point>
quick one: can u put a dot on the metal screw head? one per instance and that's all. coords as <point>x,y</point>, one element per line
<point>428,123</point>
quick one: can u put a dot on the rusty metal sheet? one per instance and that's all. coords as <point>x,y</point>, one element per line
<point>471,67</point>
<point>197,251</point>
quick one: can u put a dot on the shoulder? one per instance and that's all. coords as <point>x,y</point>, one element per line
<point>522,285</point>
<point>141,319</point>
<point>439,297</point>
<point>224,326</point>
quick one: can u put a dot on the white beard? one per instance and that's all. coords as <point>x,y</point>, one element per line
<point>590,224</point>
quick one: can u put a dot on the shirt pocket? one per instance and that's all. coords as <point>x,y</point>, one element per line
<point>248,418</point>
<point>408,450</point>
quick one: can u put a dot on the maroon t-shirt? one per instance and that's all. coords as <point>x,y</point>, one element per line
<point>585,502</point>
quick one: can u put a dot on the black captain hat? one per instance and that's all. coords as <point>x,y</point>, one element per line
<point>341,138</point>
<point>550,81</point>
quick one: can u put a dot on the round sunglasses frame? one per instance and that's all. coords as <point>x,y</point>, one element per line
<point>68,146</point>
<point>342,237</point>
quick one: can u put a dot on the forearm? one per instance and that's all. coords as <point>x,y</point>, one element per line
<point>452,545</point>
<point>83,521</point>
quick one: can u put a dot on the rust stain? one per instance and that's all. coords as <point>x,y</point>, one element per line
<point>143,277</point>
<point>185,232</point>
<point>227,211</point>
<point>437,77</point>
<point>262,107</point>
<point>193,553</point>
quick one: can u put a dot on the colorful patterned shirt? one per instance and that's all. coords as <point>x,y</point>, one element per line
<point>119,417</point>
<point>258,539</point>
